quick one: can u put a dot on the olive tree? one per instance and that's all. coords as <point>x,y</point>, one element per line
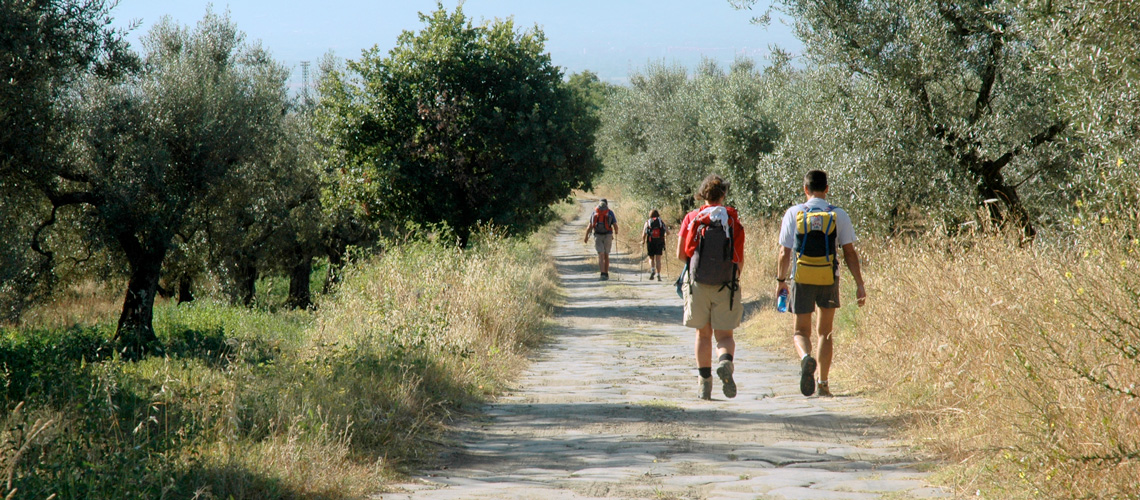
<point>962,74</point>
<point>651,136</point>
<point>153,146</point>
<point>1089,49</point>
<point>46,47</point>
<point>667,131</point>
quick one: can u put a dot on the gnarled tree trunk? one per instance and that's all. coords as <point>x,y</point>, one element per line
<point>335,253</point>
<point>185,289</point>
<point>135,332</point>
<point>299,296</point>
<point>246,283</point>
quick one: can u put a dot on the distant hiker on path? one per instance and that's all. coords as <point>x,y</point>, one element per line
<point>811,232</point>
<point>603,225</point>
<point>653,237</point>
<point>711,242</point>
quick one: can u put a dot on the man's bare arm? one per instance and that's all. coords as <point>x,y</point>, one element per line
<point>851,258</point>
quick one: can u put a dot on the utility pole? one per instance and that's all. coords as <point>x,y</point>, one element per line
<point>305,81</point>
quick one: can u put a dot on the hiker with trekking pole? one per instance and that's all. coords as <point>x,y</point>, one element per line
<point>812,232</point>
<point>711,242</point>
<point>603,225</point>
<point>653,237</point>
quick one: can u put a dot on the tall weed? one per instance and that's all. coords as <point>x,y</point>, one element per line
<point>1017,362</point>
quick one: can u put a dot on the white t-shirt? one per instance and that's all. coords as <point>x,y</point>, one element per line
<point>845,232</point>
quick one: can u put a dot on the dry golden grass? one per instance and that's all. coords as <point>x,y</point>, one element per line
<point>1017,363</point>
<point>87,303</point>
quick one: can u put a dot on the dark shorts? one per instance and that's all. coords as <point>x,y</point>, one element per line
<point>654,249</point>
<point>803,299</point>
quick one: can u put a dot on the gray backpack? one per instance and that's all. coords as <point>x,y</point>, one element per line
<point>711,263</point>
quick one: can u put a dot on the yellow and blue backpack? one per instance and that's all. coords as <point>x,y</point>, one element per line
<point>816,260</point>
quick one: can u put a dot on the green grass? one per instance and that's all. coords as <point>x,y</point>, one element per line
<point>269,403</point>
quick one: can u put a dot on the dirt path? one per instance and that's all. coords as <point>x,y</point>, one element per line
<point>609,410</point>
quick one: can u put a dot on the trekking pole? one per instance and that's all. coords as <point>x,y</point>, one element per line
<point>641,271</point>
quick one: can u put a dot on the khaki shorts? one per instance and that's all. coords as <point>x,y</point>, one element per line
<point>803,299</point>
<point>603,242</point>
<point>709,304</point>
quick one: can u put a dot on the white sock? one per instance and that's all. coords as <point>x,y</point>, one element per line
<point>802,357</point>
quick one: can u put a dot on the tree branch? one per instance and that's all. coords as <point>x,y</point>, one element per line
<point>992,167</point>
<point>73,198</point>
<point>48,254</point>
<point>989,76</point>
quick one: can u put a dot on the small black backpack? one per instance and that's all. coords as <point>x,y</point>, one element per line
<point>656,230</point>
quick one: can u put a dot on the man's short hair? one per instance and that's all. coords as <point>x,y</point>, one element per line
<point>816,181</point>
<point>603,203</point>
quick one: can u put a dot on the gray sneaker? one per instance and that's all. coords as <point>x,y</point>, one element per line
<point>724,372</point>
<point>706,388</point>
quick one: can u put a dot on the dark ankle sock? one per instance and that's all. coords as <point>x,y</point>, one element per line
<point>706,372</point>
<point>725,356</point>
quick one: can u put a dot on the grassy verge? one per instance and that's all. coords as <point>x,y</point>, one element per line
<point>259,404</point>
<point>1018,363</point>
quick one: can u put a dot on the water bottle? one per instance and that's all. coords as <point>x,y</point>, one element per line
<point>782,301</point>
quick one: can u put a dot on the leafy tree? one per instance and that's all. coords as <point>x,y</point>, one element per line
<point>889,177</point>
<point>45,48</point>
<point>344,217</point>
<point>667,131</point>
<point>961,73</point>
<point>591,89</point>
<point>460,124</point>
<point>652,139</point>
<point>154,146</point>
<point>1089,49</point>
<point>264,217</point>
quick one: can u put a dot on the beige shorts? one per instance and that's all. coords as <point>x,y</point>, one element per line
<point>709,304</point>
<point>603,242</point>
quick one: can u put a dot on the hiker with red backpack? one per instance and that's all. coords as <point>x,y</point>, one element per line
<point>711,243</point>
<point>812,233</point>
<point>653,237</point>
<point>603,225</point>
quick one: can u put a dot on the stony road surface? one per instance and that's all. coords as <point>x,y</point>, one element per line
<point>610,410</point>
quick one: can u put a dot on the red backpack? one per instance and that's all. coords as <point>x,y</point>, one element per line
<point>601,221</point>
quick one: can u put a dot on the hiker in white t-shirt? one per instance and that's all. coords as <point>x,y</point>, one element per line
<point>811,235</point>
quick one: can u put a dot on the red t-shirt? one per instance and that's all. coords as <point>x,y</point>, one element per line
<point>687,235</point>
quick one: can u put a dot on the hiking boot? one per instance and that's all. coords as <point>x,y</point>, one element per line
<point>605,276</point>
<point>705,392</point>
<point>652,273</point>
<point>807,375</point>
<point>822,390</point>
<point>658,276</point>
<point>724,371</point>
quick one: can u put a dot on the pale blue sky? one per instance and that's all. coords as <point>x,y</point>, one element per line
<point>609,37</point>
